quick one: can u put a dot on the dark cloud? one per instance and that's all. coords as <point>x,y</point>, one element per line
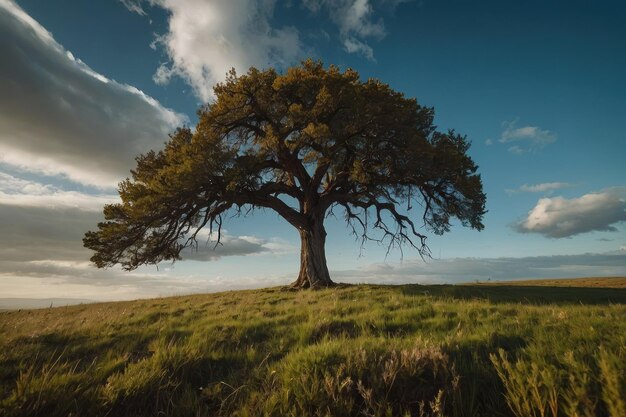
<point>59,117</point>
<point>559,217</point>
<point>41,255</point>
<point>40,233</point>
<point>235,246</point>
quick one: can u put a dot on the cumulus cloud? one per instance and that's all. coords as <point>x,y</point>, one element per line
<point>63,118</point>
<point>206,39</point>
<point>559,217</point>
<point>525,138</point>
<point>544,187</point>
<point>355,20</point>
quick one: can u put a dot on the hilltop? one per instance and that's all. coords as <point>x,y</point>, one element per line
<point>416,350</point>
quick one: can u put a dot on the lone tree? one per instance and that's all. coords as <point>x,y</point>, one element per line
<point>302,143</point>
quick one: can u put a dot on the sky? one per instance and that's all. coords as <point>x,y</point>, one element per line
<point>537,86</point>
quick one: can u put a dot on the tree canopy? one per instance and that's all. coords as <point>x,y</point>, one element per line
<point>304,143</point>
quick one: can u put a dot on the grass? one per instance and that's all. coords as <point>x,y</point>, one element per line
<point>410,350</point>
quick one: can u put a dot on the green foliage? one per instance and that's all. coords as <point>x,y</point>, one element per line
<point>455,351</point>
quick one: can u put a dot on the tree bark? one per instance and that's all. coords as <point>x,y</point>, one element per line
<point>313,268</point>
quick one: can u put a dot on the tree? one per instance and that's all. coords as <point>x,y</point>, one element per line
<point>302,143</point>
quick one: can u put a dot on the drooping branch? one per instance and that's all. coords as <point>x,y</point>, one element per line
<point>404,231</point>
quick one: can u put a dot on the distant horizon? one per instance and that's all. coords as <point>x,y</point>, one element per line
<point>19,303</point>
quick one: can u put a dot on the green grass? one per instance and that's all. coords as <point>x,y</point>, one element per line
<point>485,350</point>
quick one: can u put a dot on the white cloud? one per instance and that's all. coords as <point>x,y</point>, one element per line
<point>25,193</point>
<point>560,217</point>
<point>206,39</point>
<point>545,187</point>
<point>65,119</point>
<point>528,138</point>
<point>517,150</point>
<point>134,6</point>
<point>355,20</point>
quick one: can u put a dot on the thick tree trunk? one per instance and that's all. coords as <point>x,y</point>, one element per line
<point>313,269</point>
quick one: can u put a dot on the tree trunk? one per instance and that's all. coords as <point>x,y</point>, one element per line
<point>313,269</point>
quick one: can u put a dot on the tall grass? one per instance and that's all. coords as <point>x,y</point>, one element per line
<point>348,351</point>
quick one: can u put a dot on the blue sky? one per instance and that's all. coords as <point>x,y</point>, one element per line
<point>537,86</point>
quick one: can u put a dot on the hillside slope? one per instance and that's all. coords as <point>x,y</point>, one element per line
<point>347,351</point>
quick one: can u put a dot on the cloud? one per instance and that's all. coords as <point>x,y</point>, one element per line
<point>32,233</point>
<point>559,217</point>
<point>469,269</point>
<point>206,250</point>
<point>528,138</point>
<point>41,255</point>
<point>26,193</point>
<point>355,20</point>
<point>206,39</point>
<point>545,187</point>
<point>65,119</point>
<point>61,269</point>
<point>134,6</point>
<point>49,278</point>
<point>31,282</point>
<point>53,232</point>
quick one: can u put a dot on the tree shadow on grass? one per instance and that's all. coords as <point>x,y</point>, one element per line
<point>532,295</point>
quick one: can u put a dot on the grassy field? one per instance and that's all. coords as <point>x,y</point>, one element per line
<point>410,350</point>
